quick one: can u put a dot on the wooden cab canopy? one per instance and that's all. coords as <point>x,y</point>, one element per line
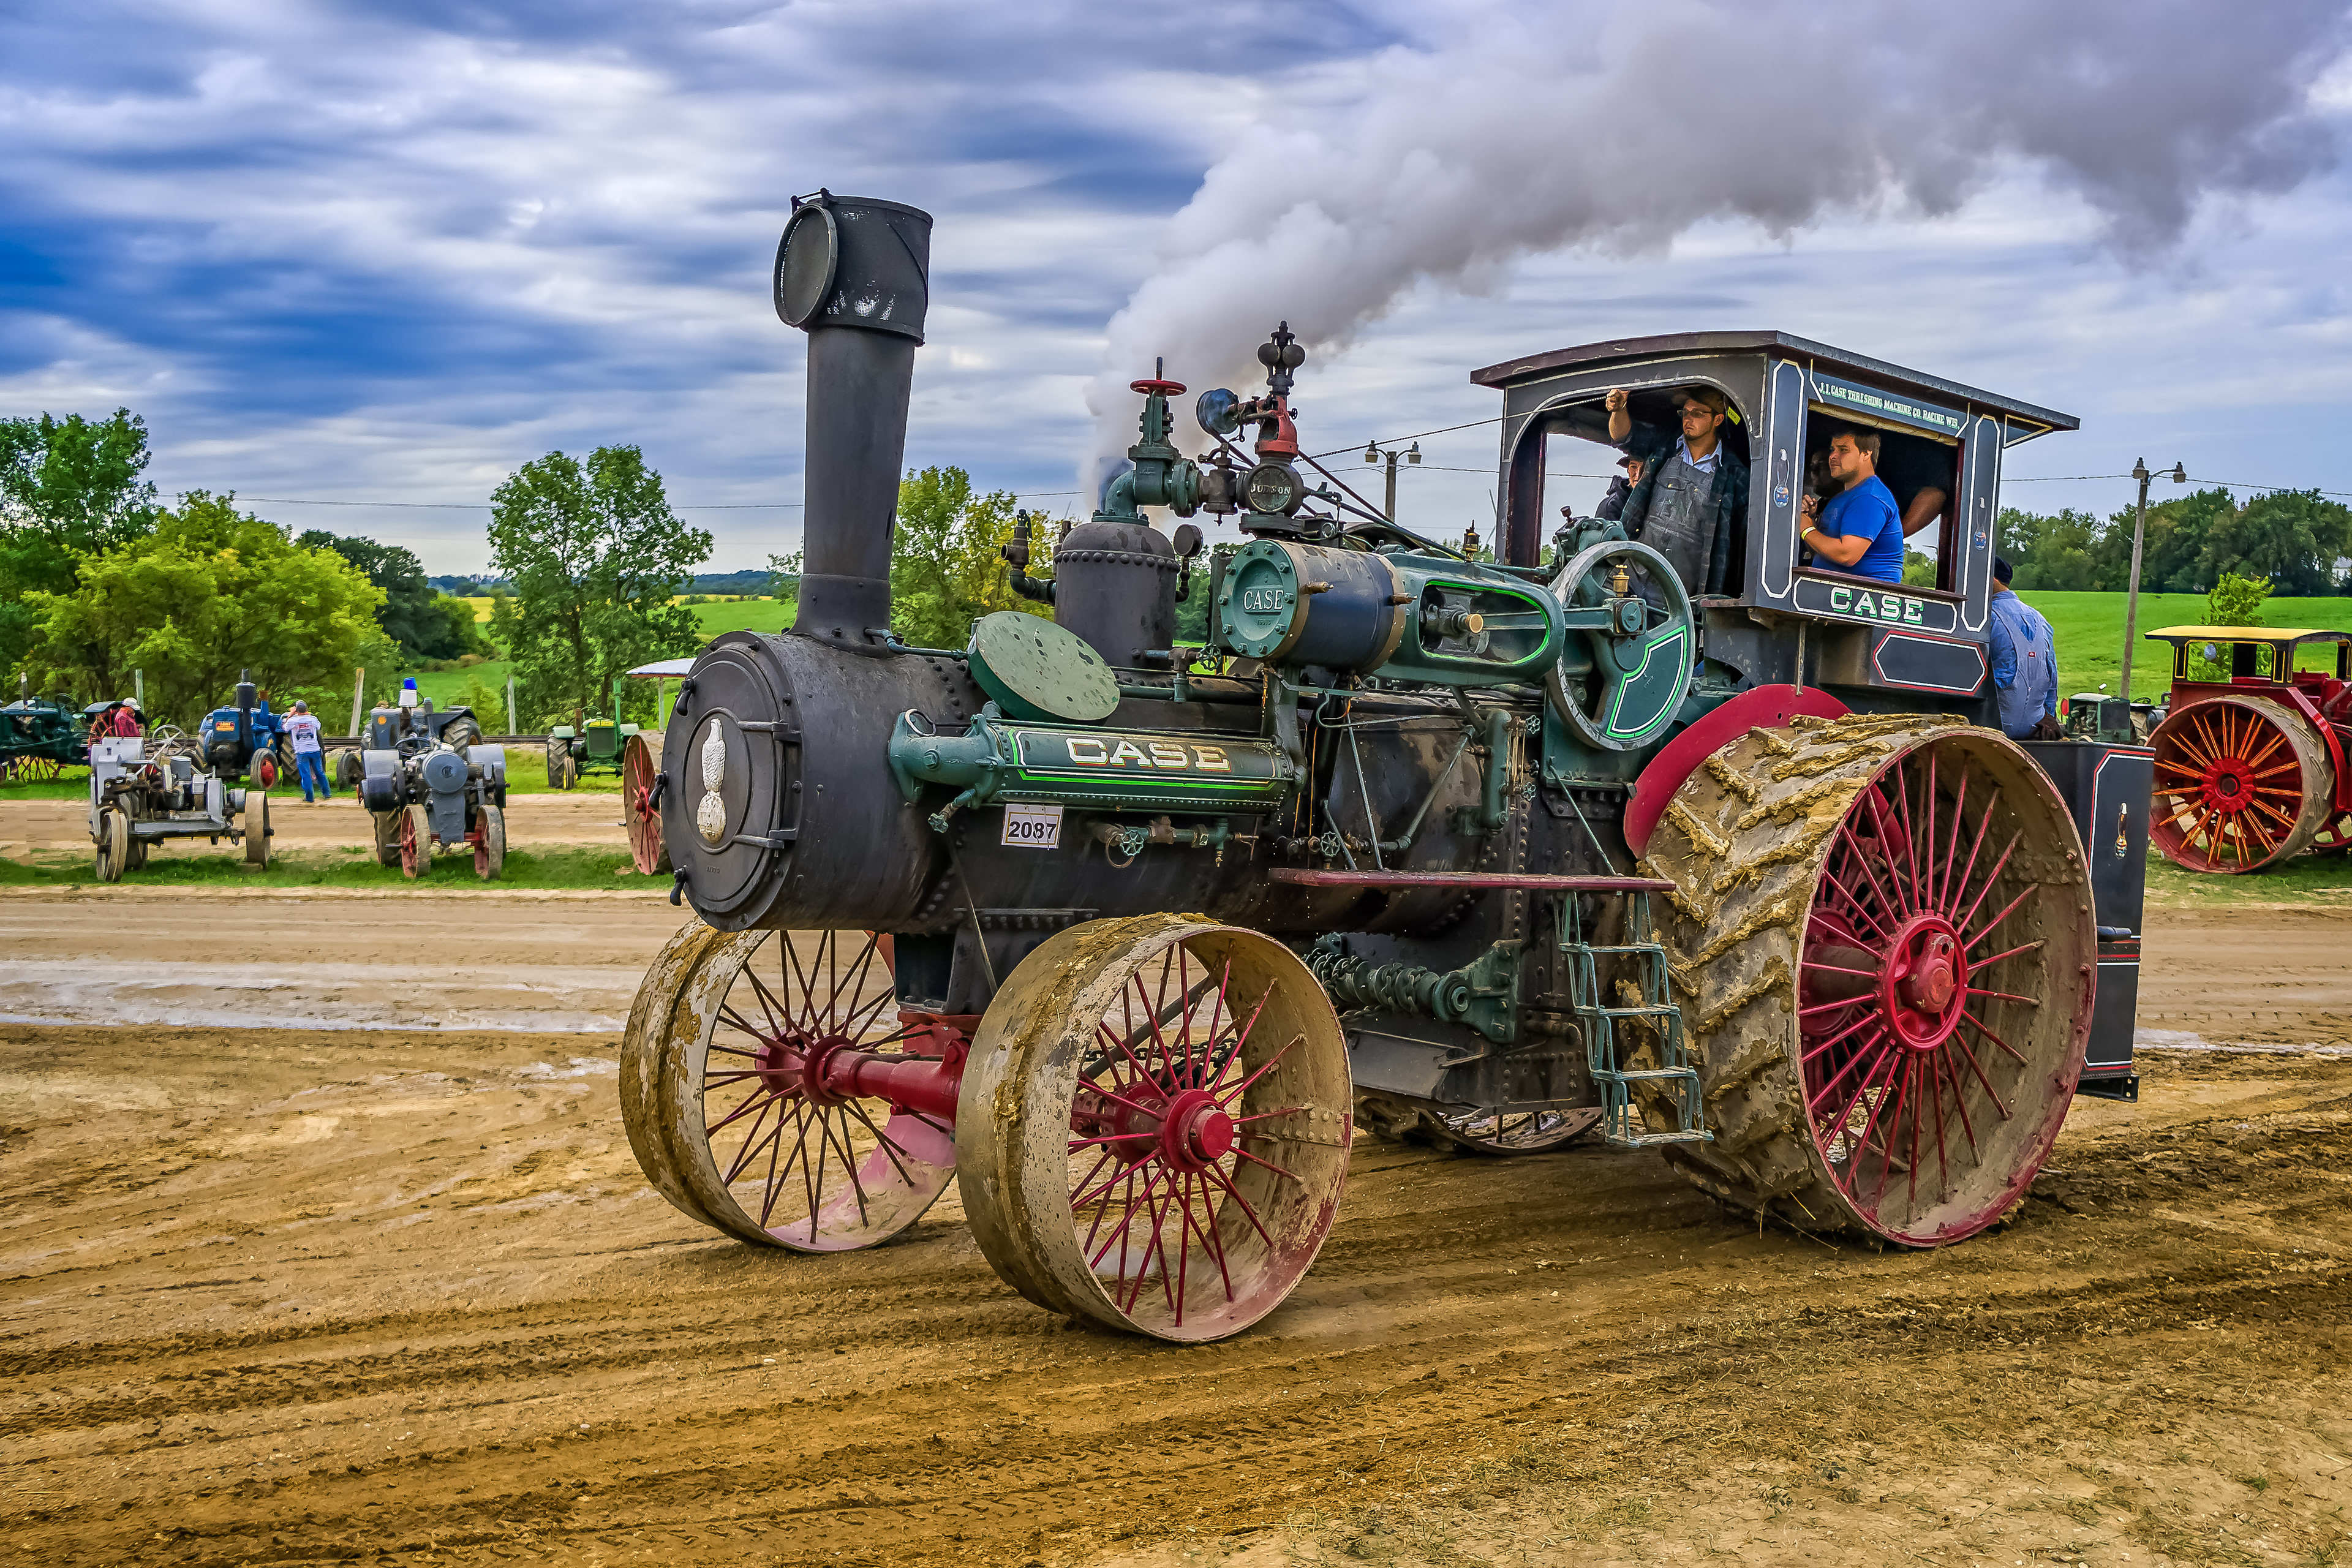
<point>1788,396</point>
<point>2247,658</point>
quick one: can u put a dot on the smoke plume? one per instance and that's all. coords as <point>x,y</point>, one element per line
<point>1618,127</point>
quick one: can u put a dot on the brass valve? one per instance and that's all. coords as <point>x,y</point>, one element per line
<point>1621,580</point>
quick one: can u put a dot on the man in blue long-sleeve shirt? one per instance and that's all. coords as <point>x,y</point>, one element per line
<point>2024,664</point>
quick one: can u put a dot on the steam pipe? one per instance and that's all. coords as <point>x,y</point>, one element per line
<point>854,274</point>
<point>859,383</point>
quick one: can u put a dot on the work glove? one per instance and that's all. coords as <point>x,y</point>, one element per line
<point>2047,729</point>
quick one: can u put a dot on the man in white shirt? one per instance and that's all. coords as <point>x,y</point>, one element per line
<point>309,757</point>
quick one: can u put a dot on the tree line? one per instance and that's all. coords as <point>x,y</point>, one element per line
<point>2298,542</point>
<point>100,578</point>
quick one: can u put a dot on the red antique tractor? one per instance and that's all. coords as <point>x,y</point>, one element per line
<point>2251,760</point>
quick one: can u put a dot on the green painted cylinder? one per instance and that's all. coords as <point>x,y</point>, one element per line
<point>1197,771</point>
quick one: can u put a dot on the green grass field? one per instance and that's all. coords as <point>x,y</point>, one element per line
<point>2090,633</point>
<point>73,785</point>
<point>526,774</point>
<point>445,686</point>
<point>350,868</point>
<point>746,616</point>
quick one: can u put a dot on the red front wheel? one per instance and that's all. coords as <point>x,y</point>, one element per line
<point>763,1083</point>
<point>415,842</point>
<point>1154,1125</point>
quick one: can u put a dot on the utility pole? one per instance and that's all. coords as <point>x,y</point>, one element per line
<point>512,728</point>
<point>139,687</point>
<point>359,696</point>
<point>2179,476</point>
<point>1373,454</point>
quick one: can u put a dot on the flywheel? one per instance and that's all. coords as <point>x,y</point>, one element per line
<point>1883,942</point>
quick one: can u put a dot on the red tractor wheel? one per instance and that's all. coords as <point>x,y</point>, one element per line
<point>1883,940</point>
<point>2242,782</point>
<point>1154,1124</point>
<point>416,839</point>
<point>757,1075</point>
<point>640,763</point>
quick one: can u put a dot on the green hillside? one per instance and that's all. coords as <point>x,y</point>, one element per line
<point>745,616</point>
<point>2090,635</point>
<point>447,686</point>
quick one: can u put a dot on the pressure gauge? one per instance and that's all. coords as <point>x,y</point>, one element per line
<point>1275,488</point>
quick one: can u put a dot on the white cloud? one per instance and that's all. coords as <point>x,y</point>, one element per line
<point>331,255</point>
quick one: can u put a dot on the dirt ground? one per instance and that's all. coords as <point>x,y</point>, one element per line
<point>397,1293</point>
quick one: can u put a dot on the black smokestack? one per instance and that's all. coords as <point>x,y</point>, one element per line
<point>854,274</point>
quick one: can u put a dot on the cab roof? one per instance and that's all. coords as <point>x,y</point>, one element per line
<point>2246,634</point>
<point>1511,373</point>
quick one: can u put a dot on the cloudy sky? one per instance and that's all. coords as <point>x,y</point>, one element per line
<point>384,254</point>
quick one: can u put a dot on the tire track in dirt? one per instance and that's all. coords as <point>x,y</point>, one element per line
<point>278,1297</point>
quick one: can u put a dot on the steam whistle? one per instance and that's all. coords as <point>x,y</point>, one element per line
<point>1221,414</point>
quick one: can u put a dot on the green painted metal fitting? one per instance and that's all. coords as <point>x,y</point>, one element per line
<point>1494,815</point>
<point>1162,476</point>
<point>1483,994</point>
<point>1195,772</point>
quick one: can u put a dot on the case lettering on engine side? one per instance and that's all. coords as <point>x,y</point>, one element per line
<point>1173,771</point>
<point>1090,751</point>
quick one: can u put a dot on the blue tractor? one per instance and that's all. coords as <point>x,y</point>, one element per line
<point>246,739</point>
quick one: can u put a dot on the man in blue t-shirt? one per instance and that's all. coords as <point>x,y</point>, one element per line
<point>1860,530</point>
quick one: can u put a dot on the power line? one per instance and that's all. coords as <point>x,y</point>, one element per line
<point>1392,440</point>
<point>697,506</point>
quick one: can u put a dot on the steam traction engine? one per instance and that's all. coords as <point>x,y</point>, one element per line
<point>1491,851</point>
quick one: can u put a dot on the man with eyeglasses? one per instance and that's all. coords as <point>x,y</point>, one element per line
<point>1692,489</point>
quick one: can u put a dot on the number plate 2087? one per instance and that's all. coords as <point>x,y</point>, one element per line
<point>1032,827</point>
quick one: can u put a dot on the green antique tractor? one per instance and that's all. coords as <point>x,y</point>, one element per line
<point>1717,856</point>
<point>40,737</point>
<point>596,745</point>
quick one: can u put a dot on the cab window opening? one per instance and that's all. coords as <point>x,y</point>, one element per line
<point>1552,490</point>
<point>1922,474</point>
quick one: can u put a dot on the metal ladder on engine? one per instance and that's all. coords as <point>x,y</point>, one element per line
<point>1620,1125</point>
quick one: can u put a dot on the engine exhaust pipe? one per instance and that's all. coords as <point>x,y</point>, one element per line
<point>854,274</point>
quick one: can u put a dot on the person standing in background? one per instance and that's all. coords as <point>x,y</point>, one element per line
<point>122,720</point>
<point>310,756</point>
<point>2024,664</point>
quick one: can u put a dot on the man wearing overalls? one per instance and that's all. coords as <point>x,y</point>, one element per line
<point>1693,488</point>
